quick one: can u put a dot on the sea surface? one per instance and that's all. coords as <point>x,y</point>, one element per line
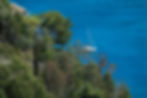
<point>117,28</point>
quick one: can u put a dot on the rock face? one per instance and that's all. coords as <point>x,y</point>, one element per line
<point>18,9</point>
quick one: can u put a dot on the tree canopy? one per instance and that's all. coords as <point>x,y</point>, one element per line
<point>57,25</point>
<point>32,67</point>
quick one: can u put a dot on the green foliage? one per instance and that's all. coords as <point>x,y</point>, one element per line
<point>54,78</point>
<point>4,7</point>
<point>123,92</point>
<point>43,48</point>
<point>13,27</point>
<point>88,91</point>
<point>2,94</point>
<point>58,26</point>
<point>60,74</point>
<point>17,81</point>
<point>91,74</point>
<point>109,86</point>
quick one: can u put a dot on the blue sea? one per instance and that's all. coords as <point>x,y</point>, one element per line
<point>117,28</point>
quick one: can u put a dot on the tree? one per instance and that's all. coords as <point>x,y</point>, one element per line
<point>54,79</point>
<point>92,75</point>
<point>14,30</point>
<point>57,26</point>
<point>4,7</point>
<point>17,81</point>
<point>42,50</point>
<point>2,94</point>
<point>62,74</point>
<point>88,91</point>
<point>109,86</point>
<point>123,92</point>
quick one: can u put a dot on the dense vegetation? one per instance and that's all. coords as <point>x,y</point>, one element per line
<point>35,64</point>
